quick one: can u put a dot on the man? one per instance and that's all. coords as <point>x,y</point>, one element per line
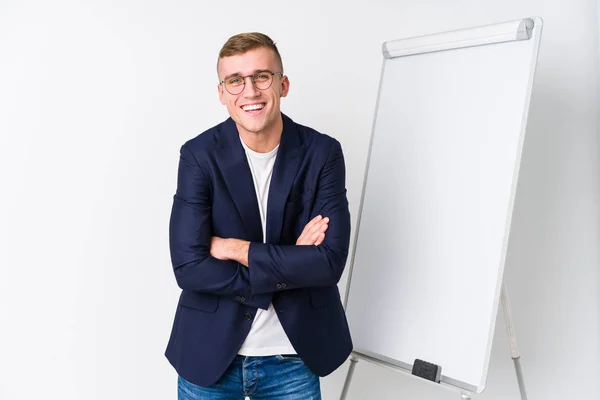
<point>259,237</point>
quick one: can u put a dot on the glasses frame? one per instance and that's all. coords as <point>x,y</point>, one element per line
<point>252,78</point>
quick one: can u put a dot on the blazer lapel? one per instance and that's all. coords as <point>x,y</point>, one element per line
<point>289,157</point>
<point>238,179</point>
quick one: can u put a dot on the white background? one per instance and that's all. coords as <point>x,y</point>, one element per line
<point>96,98</point>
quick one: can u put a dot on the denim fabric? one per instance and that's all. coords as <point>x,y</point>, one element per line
<point>272,377</point>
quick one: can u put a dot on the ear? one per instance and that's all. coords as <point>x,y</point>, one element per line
<point>221,94</point>
<point>285,86</point>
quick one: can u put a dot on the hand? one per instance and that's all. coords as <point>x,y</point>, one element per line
<point>218,248</point>
<point>314,232</point>
<point>230,249</point>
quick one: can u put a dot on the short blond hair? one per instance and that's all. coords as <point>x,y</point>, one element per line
<point>244,42</point>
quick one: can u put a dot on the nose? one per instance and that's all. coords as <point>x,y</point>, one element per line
<point>249,89</point>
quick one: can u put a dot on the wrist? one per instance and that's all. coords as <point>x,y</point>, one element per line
<point>238,251</point>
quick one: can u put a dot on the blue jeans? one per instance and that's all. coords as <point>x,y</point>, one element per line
<point>271,377</point>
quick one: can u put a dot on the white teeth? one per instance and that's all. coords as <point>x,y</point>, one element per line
<point>252,107</point>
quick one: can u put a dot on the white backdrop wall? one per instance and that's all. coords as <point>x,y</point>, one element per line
<point>97,96</point>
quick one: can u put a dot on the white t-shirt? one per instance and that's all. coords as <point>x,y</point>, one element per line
<point>266,336</point>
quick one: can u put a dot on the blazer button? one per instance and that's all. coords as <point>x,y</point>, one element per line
<point>279,286</point>
<point>248,316</point>
<point>283,285</point>
<point>240,298</point>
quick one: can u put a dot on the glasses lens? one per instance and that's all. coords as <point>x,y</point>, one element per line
<point>234,84</point>
<point>263,80</point>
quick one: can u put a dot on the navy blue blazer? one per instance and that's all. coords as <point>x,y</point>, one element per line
<point>215,197</point>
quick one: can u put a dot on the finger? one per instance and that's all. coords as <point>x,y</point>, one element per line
<point>303,238</point>
<point>314,237</point>
<point>320,239</point>
<point>313,222</point>
<point>308,228</point>
<point>308,238</point>
<point>317,230</point>
<point>312,229</point>
<point>318,226</point>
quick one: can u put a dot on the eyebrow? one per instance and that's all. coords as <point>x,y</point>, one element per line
<point>240,74</point>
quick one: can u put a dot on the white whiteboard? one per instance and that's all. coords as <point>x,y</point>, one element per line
<point>426,273</point>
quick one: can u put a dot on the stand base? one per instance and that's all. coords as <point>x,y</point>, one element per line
<point>464,396</point>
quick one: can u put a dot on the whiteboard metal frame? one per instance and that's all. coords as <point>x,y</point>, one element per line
<point>498,33</point>
<point>522,29</point>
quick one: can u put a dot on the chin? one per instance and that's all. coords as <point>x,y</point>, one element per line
<point>252,127</point>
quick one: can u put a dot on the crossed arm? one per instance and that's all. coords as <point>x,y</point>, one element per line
<point>237,250</point>
<point>229,266</point>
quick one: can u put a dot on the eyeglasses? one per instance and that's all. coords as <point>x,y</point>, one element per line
<point>262,80</point>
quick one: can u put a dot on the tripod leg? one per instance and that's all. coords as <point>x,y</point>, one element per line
<point>353,361</point>
<point>513,343</point>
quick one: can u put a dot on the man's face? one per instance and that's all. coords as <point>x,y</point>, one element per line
<point>253,110</point>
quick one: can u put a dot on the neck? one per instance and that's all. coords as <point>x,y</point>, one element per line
<point>263,141</point>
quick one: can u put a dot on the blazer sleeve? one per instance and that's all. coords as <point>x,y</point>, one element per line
<point>190,234</point>
<point>276,267</point>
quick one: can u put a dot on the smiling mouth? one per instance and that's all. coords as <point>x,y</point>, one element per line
<point>253,108</point>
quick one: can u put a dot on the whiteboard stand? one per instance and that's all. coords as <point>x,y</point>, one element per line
<point>353,361</point>
<point>465,395</point>
<point>512,339</point>
<point>448,132</point>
